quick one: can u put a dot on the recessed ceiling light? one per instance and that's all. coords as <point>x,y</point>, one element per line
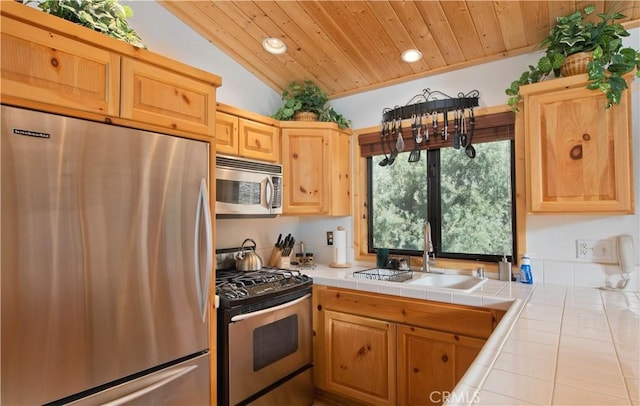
<point>411,55</point>
<point>274,46</point>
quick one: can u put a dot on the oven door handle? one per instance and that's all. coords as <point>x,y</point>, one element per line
<point>245,316</point>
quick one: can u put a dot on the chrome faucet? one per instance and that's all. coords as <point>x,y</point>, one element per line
<point>428,248</point>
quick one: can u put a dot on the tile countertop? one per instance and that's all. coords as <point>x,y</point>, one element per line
<point>556,345</point>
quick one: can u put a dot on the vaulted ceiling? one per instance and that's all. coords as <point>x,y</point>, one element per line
<point>348,47</point>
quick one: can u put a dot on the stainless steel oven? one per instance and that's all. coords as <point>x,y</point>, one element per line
<point>265,354</point>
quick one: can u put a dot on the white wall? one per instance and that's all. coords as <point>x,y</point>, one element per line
<point>550,239</point>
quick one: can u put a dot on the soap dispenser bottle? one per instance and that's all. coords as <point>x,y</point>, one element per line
<point>504,269</point>
<point>525,270</point>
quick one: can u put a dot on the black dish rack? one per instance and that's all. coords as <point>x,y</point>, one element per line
<point>392,275</point>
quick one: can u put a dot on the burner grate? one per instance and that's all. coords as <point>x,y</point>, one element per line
<point>237,285</point>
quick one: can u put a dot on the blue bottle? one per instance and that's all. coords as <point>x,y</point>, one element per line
<point>525,270</point>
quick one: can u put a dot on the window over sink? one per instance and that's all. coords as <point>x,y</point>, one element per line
<point>470,203</point>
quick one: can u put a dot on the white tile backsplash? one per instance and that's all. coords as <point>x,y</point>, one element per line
<point>583,274</point>
<point>312,230</point>
<point>558,272</point>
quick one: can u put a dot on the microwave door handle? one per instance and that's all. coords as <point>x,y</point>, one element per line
<point>269,192</point>
<point>245,316</point>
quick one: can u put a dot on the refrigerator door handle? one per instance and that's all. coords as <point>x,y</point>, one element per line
<point>202,207</point>
<point>148,389</point>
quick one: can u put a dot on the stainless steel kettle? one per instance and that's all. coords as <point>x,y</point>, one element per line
<point>247,259</point>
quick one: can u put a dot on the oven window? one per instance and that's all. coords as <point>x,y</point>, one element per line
<point>237,192</point>
<point>274,341</point>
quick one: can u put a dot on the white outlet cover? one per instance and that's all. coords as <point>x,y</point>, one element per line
<point>601,251</point>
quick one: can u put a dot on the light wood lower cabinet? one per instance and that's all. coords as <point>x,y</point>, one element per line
<point>430,363</point>
<point>360,357</point>
<point>384,350</point>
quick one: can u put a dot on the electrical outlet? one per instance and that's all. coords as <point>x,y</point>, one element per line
<point>595,250</point>
<point>329,237</point>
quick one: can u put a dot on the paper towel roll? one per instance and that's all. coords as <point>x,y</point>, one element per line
<point>339,248</point>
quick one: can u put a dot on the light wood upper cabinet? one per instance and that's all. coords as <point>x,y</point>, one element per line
<point>246,134</point>
<point>159,96</point>
<point>259,141</point>
<point>578,152</point>
<point>226,133</point>
<point>360,357</point>
<point>431,363</point>
<point>54,65</point>
<point>316,160</point>
<point>45,67</point>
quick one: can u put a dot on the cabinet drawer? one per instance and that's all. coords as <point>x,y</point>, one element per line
<point>158,96</point>
<point>42,66</point>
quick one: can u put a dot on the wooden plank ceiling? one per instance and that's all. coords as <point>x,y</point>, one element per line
<point>348,47</point>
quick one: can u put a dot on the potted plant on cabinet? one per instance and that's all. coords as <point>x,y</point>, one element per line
<point>307,102</point>
<point>105,16</point>
<point>574,46</point>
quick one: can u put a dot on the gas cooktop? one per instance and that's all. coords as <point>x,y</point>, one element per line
<point>239,288</point>
<point>238,285</point>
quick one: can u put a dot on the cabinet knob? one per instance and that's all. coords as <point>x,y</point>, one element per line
<point>445,358</point>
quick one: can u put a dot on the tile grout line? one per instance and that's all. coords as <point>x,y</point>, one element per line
<point>555,372</point>
<point>615,344</point>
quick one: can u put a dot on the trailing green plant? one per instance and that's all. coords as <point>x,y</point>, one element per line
<point>572,34</point>
<point>308,97</point>
<point>105,16</point>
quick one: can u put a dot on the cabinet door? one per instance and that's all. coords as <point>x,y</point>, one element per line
<point>226,134</point>
<point>40,66</point>
<point>579,153</point>
<point>340,174</point>
<point>306,179</point>
<point>259,141</point>
<point>430,363</point>
<point>154,95</point>
<point>360,357</point>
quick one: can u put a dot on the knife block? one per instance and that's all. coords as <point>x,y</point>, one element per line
<point>275,258</point>
<point>285,262</point>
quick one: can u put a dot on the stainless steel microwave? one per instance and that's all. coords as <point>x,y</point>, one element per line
<point>247,188</point>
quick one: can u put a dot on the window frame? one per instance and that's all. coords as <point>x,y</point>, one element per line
<point>491,123</point>
<point>435,211</point>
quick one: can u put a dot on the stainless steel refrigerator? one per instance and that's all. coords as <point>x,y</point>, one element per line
<point>106,260</point>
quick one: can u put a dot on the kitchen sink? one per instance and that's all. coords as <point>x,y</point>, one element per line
<point>461,283</point>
